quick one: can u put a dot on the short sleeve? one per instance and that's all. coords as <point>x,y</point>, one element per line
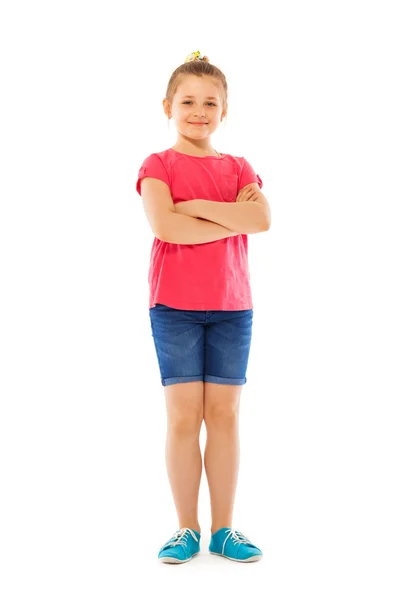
<point>248,175</point>
<point>152,167</point>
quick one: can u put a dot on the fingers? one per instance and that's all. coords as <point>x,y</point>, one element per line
<point>248,196</point>
<point>242,197</point>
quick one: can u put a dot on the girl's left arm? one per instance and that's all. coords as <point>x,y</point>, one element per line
<point>241,217</point>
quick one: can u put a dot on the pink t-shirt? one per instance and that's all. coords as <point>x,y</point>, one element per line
<point>210,276</point>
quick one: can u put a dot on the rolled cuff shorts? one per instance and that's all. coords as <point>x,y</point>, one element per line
<point>201,345</point>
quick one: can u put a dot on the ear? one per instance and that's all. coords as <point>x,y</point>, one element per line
<point>166,106</point>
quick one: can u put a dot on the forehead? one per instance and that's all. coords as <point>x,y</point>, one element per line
<point>194,86</point>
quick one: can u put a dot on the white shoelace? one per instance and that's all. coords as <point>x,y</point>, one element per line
<point>179,537</point>
<point>237,537</point>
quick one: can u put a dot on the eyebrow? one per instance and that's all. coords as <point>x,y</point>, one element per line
<point>207,97</point>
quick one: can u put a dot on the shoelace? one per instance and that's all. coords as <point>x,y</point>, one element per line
<point>237,537</point>
<point>179,537</point>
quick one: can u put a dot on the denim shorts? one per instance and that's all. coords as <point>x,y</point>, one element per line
<point>201,345</point>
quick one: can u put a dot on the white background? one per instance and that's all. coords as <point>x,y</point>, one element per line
<point>85,502</point>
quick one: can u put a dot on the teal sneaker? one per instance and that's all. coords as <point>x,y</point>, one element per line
<point>183,545</point>
<point>232,544</point>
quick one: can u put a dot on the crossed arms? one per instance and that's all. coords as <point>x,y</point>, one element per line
<point>252,216</point>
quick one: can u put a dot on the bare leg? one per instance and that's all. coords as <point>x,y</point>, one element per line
<point>222,451</point>
<point>184,403</point>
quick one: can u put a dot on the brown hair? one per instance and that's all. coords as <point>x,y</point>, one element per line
<point>199,68</point>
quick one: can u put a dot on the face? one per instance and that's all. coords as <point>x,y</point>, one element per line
<point>203,106</point>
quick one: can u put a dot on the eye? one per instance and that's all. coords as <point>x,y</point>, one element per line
<point>212,103</point>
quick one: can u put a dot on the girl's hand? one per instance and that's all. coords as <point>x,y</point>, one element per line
<point>250,193</point>
<point>186,207</point>
<point>179,208</point>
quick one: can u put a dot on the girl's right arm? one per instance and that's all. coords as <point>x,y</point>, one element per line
<point>169,226</point>
<point>181,229</point>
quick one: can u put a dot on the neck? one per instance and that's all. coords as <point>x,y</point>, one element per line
<point>197,148</point>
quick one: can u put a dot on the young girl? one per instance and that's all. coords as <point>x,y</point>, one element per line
<point>201,204</point>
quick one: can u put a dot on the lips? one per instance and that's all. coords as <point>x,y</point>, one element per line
<point>198,123</point>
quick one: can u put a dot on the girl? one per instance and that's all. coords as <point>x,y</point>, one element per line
<point>201,204</point>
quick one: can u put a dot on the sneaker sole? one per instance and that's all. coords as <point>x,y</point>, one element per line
<point>250,559</point>
<point>173,560</point>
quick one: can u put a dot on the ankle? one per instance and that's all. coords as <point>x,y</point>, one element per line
<point>218,527</point>
<point>193,527</point>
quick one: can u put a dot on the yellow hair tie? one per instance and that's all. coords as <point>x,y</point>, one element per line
<point>196,56</point>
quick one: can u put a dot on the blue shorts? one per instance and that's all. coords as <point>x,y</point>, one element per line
<point>201,345</point>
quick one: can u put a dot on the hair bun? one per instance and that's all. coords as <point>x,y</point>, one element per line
<point>196,56</point>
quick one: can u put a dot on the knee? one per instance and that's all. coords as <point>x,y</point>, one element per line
<point>222,417</point>
<point>185,424</point>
